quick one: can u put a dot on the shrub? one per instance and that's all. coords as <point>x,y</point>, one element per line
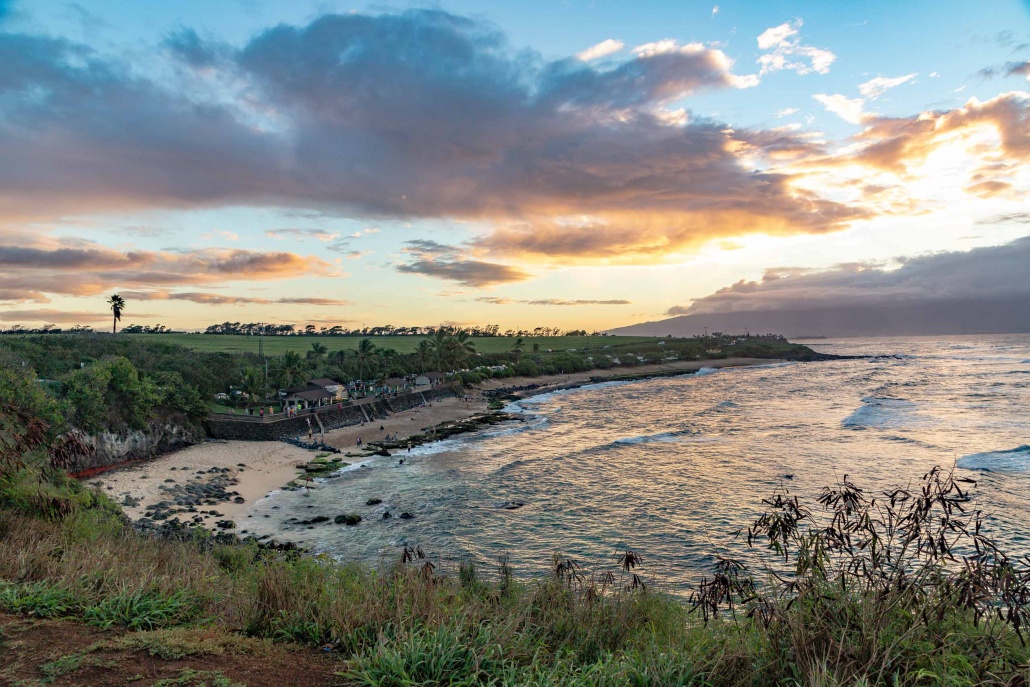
<point>39,599</point>
<point>141,610</point>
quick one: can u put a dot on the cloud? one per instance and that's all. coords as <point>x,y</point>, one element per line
<point>86,268</point>
<point>989,188</point>
<point>223,299</point>
<point>142,231</point>
<point>848,109</point>
<point>994,273</point>
<point>59,316</point>
<point>1010,218</point>
<point>678,310</point>
<point>228,235</point>
<point>897,143</point>
<point>550,301</point>
<point>301,234</point>
<point>467,272</point>
<point>606,47</point>
<point>426,114</point>
<point>312,301</point>
<point>785,51</point>
<point>874,88</point>
<point>715,10</point>
<point>786,112</point>
<point>421,114</point>
<point>1018,69</point>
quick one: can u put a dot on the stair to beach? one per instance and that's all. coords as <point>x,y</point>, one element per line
<point>320,426</point>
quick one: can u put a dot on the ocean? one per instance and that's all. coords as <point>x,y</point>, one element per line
<point>671,468</point>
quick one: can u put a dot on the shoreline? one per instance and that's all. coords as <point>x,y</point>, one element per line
<point>511,387</point>
<point>220,481</point>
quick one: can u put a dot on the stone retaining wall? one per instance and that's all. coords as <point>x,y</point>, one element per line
<point>246,429</point>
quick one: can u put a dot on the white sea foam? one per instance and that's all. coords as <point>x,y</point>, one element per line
<point>877,412</point>
<point>1013,460</point>
<point>550,395</point>
<point>684,436</point>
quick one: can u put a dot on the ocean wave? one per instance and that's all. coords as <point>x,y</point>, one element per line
<point>675,437</point>
<point>878,412</point>
<point>550,395</point>
<point>455,443</point>
<point>1013,460</point>
<point>706,371</point>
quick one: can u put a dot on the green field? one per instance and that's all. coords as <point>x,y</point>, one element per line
<point>277,345</point>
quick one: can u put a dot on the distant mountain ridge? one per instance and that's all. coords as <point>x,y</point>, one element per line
<point>981,316</point>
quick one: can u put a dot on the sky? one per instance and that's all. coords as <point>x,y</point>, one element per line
<point>579,164</point>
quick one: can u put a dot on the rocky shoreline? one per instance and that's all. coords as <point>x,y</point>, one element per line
<point>199,499</point>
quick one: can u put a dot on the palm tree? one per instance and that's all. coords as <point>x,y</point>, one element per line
<point>516,348</point>
<point>290,367</point>
<point>463,347</point>
<point>253,385</point>
<point>317,351</point>
<point>117,304</point>
<point>438,344</point>
<point>366,351</point>
<point>423,352</point>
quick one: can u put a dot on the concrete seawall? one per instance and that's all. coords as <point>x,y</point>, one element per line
<point>250,428</point>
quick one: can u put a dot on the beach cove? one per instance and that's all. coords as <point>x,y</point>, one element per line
<point>222,480</point>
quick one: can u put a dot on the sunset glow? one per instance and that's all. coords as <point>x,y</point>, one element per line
<point>592,165</point>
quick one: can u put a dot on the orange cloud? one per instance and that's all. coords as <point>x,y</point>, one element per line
<point>28,272</point>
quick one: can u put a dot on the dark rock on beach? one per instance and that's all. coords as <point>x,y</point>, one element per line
<point>349,519</point>
<point>373,502</point>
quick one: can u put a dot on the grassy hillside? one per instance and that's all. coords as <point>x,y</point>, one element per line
<point>213,610</point>
<point>277,345</point>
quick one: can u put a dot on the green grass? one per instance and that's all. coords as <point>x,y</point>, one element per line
<point>37,599</point>
<point>198,678</point>
<point>69,664</point>
<point>277,345</point>
<point>141,610</point>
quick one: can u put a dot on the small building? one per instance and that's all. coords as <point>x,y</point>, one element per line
<point>338,390</point>
<point>436,377</point>
<point>308,398</point>
<point>395,384</point>
<point>422,380</point>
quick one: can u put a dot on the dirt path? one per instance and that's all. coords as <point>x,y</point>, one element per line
<point>68,653</point>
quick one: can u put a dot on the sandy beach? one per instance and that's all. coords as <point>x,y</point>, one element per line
<point>229,477</point>
<point>253,469</point>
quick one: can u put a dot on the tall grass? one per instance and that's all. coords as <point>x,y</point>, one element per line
<point>864,594</point>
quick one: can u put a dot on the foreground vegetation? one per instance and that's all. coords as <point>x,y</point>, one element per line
<point>901,589</point>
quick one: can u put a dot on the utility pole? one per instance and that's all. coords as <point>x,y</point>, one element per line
<point>261,348</point>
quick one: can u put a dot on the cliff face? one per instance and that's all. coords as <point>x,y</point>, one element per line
<point>112,448</point>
